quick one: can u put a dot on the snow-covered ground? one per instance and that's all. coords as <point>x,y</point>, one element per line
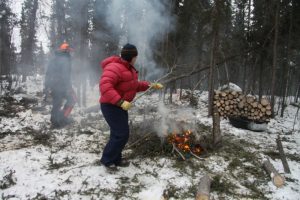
<point>37,162</point>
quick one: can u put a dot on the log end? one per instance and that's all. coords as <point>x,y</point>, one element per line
<point>278,181</point>
<point>201,196</point>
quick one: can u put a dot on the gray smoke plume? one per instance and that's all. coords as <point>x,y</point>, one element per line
<point>142,23</point>
<point>175,122</point>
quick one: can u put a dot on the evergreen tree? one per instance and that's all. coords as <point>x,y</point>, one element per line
<point>7,54</point>
<point>28,36</point>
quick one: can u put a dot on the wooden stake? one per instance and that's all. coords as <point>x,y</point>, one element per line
<point>277,179</point>
<point>204,188</point>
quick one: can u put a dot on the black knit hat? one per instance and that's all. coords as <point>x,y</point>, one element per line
<point>128,52</point>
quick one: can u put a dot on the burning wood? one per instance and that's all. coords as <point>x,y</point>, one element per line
<point>182,144</point>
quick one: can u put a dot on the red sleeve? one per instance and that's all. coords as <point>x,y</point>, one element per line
<point>143,85</point>
<point>110,77</point>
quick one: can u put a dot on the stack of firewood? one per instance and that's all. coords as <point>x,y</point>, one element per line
<point>236,104</point>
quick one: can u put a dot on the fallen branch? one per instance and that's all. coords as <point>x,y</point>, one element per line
<point>139,140</point>
<point>196,156</point>
<point>295,104</point>
<point>80,166</point>
<point>175,148</point>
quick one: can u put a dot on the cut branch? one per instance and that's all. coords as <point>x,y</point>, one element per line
<point>138,141</point>
<point>175,148</point>
<point>197,68</point>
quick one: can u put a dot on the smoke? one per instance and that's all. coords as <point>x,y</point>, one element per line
<point>170,122</point>
<point>142,23</point>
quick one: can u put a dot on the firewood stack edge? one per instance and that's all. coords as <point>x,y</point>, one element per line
<point>236,104</point>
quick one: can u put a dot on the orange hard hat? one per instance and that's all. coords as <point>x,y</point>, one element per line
<point>65,47</point>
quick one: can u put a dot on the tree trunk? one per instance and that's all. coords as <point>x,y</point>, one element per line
<point>217,138</point>
<point>297,94</point>
<point>287,67</point>
<point>28,40</point>
<point>214,46</point>
<point>274,65</point>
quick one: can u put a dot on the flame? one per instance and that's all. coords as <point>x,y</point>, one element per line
<point>183,142</point>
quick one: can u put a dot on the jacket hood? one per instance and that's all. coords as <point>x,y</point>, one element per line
<point>114,59</point>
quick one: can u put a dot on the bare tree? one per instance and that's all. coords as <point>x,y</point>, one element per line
<point>274,64</point>
<point>214,46</point>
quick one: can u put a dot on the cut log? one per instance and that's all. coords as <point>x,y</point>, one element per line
<point>264,102</point>
<point>233,103</point>
<point>277,179</point>
<point>241,104</point>
<point>223,94</point>
<point>204,188</point>
<point>268,107</point>
<point>282,156</point>
<point>250,99</point>
<point>268,112</point>
<point>254,104</point>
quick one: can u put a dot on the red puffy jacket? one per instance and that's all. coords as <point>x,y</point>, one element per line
<point>119,80</point>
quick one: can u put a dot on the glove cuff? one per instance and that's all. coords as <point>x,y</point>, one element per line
<point>119,103</point>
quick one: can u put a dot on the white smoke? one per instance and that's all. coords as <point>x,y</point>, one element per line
<point>164,126</point>
<point>142,23</point>
<point>170,121</point>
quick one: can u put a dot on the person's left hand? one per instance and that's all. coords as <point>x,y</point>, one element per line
<point>156,86</point>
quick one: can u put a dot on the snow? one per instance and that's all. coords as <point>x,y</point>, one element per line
<point>64,163</point>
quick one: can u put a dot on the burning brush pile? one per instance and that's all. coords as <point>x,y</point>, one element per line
<point>183,143</point>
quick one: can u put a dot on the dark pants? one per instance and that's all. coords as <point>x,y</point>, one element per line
<point>117,119</point>
<point>59,114</point>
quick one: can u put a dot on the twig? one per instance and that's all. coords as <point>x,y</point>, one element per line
<point>80,166</point>
<point>134,143</point>
<point>196,156</point>
<point>175,148</point>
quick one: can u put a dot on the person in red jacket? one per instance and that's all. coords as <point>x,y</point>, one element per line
<point>118,86</point>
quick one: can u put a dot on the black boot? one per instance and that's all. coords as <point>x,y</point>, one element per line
<point>123,163</point>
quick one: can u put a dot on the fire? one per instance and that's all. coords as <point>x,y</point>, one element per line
<point>183,142</point>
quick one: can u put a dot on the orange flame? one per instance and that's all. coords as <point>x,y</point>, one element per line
<point>183,142</point>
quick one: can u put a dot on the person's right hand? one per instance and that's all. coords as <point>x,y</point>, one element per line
<point>126,105</point>
<point>156,86</point>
